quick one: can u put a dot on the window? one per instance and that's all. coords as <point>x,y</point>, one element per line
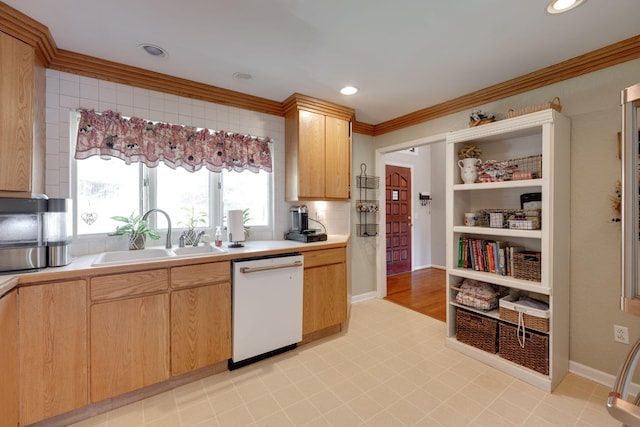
<point>106,187</point>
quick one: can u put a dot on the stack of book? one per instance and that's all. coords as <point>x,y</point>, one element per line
<point>492,256</point>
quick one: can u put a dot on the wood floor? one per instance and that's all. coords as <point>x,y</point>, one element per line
<point>422,290</point>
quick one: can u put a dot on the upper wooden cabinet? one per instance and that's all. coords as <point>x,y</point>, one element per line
<point>317,150</point>
<point>22,136</point>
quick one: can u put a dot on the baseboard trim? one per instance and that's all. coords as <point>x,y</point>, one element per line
<point>363,297</point>
<point>599,377</point>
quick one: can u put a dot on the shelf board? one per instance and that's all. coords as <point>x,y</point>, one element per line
<point>494,314</point>
<point>496,279</point>
<point>503,232</point>
<point>543,382</point>
<point>524,183</point>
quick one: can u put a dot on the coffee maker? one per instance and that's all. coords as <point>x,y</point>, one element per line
<point>299,226</point>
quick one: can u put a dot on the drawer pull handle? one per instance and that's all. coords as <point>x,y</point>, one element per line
<point>247,270</point>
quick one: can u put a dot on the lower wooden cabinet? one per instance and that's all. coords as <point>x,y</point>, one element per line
<point>129,345</point>
<point>53,349</point>
<point>200,316</point>
<point>325,289</point>
<point>9,359</point>
<point>200,327</point>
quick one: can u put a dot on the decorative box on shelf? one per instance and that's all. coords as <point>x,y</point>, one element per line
<point>511,310</point>
<point>529,167</point>
<point>527,266</point>
<point>477,330</point>
<point>528,349</point>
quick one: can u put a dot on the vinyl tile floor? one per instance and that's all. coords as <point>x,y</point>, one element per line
<point>389,367</point>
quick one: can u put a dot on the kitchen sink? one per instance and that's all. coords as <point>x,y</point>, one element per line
<point>126,257</point>
<point>151,254</point>
<point>198,250</point>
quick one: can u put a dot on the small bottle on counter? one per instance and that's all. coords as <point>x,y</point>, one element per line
<point>218,237</point>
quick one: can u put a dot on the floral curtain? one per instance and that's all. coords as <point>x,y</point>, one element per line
<point>138,140</point>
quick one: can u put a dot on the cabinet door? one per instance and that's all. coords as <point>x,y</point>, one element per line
<point>311,155</point>
<point>324,297</point>
<point>200,327</point>
<point>53,349</point>
<point>338,158</point>
<point>16,114</point>
<point>9,360</point>
<point>129,345</point>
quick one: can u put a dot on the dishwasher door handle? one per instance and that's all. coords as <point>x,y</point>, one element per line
<point>247,270</point>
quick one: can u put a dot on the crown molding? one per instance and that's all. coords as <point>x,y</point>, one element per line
<point>38,36</point>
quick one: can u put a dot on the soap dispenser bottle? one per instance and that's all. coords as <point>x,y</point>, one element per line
<point>218,236</point>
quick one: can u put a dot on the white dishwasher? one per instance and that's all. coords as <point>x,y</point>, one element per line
<point>266,307</point>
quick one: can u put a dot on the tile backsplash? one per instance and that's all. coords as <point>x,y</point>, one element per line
<point>67,92</point>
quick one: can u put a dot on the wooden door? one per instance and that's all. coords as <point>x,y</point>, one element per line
<point>129,345</point>
<point>200,327</point>
<point>311,155</point>
<point>398,219</point>
<point>16,113</point>
<point>9,359</point>
<point>338,158</point>
<point>53,349</point>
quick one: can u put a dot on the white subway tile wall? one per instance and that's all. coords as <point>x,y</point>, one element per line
<point>67,92</point>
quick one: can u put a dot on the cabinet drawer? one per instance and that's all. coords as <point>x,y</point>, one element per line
<point>129,284</point>
<point>324,257</point>
<point>200,274</point>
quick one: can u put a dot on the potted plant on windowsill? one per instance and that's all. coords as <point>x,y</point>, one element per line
<point>136,228</point>
<point>192,220</point>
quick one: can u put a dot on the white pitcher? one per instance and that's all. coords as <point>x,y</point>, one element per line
<point>469,169</point>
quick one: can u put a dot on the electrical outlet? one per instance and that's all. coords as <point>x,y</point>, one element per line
<point>621,334</point>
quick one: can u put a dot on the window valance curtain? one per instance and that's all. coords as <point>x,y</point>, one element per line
<point>137,140</point>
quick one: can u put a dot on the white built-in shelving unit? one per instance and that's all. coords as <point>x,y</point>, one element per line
<point>545,133</point>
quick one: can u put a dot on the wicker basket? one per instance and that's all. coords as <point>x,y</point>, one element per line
<point>534,355</point>
<point>476,330</point>
<point>531,318</point>
<point>527,266</point>
<point>555,104</point>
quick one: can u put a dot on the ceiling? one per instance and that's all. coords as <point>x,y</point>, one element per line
<point>403,55</point>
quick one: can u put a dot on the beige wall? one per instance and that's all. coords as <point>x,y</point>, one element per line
<point>592,102</point>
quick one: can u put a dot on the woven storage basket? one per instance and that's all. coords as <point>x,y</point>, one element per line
<point>555,104</point>
<point>527,266</point>
<point>531,317</point>
<point>534,355</point>
<point>476,330</point>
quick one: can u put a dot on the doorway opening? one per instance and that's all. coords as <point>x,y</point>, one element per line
<point>411,256</point>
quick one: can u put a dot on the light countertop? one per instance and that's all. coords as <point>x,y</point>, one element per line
<point>82,266</point>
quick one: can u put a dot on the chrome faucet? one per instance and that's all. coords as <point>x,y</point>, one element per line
<point>146,215</point>
<point>196,242</point>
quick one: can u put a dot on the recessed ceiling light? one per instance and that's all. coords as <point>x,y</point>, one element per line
<point>349,90</point>
<point>560,6</point>
<point>242,76</point>
<point>153,50</point>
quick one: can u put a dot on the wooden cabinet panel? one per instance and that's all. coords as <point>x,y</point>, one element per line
<point>338,158</point>
<point>129,284</point>
<point>17,61</point>
<point>53,349</point>
<point>324,297</point>
<point>324,257</point>
<point>311,155</point>
<point>9,359</point>
<point>200,327</point>
<point>129,345</point>
<point>200,274</point>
